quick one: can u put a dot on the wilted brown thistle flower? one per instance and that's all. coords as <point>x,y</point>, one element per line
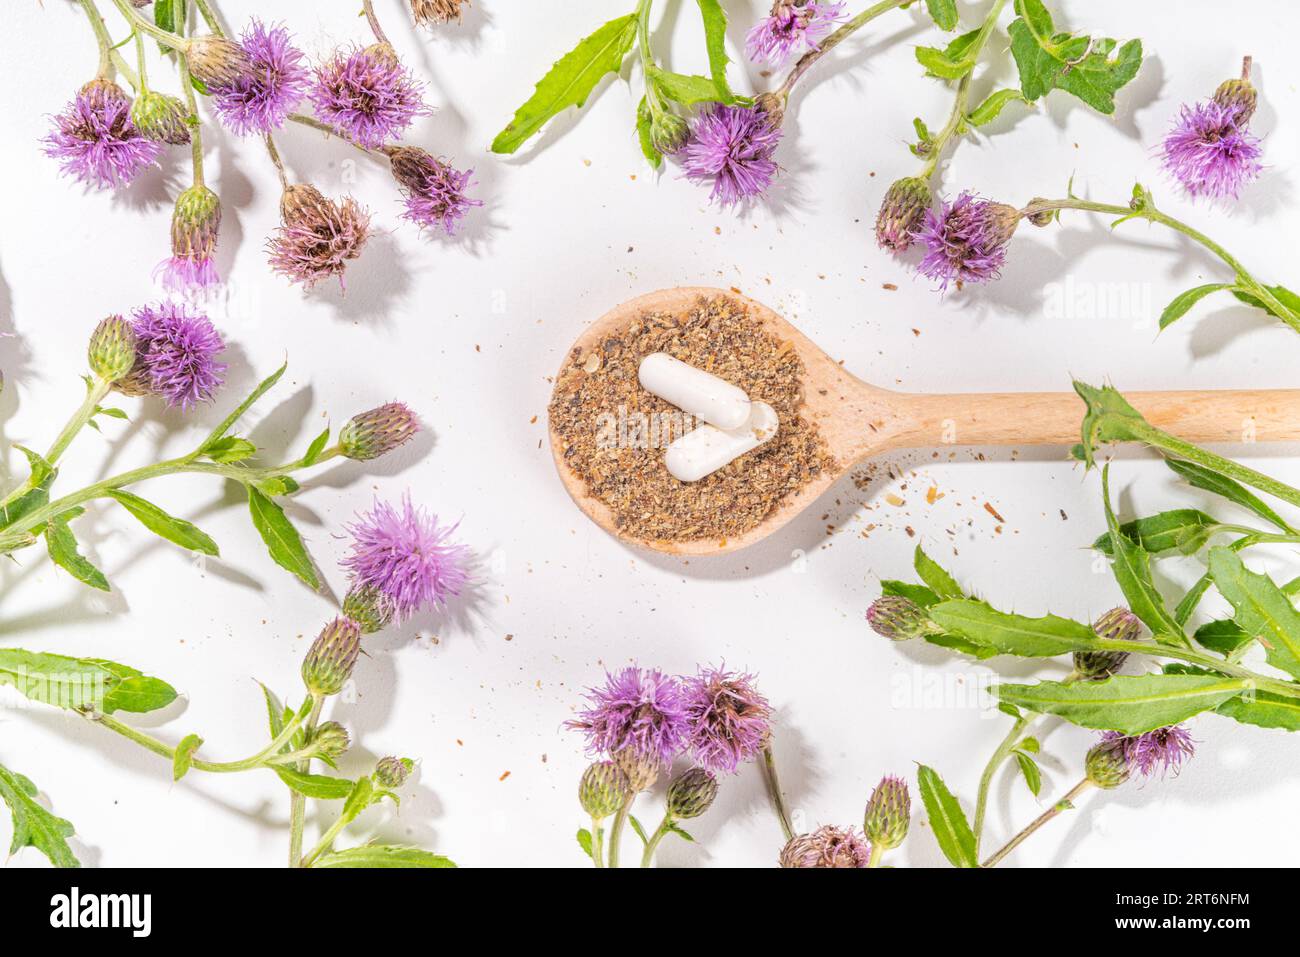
<point>317,237</point>
<point>828,846</point>
<point>437,11</point>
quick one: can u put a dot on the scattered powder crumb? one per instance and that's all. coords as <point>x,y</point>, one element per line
<point>647,502</point>
<point>988,507</point>
<point>504,775</point>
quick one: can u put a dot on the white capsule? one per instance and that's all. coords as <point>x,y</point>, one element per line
<point>693,390</point>
<point>705,450</point>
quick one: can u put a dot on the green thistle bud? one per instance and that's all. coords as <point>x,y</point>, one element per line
<point>369,608</point>
<point>392,772</point>
<point>642,772</point>
<point>889,811</point>
<point>162,118</point>
<point>377,432</point>
<point>111,352</point>
<point>1118,624</point>
<point>603,789</point>
<point>1106,766</point>
<point>1043,217</point>
<point>901,211</point>
<point>216,61</point>
<point>669,132</point>
<point>332,657</point>
<point>196,221</point>
<point>899,619</point>
<point>330,741</point>
<point>691,793</point>
<point>1239,94</point>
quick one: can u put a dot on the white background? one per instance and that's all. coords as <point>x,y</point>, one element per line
<point>470,331</point>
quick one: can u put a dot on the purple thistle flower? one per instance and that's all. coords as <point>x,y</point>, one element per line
<point>435,191</point>
<point>966,240</point>
<point>729,720</point>
<point>1162,750</point>
<point>368,94</point>
<point>792,25</point>
<point>828,846</point>
<point>95,141</point>
<point>175,355</point>
<point>732,146</point>
<point>259,99</point>
<point>196,223</point>
<point>406,557</point>
<point>180,274</point>
<point>1210,151</point>
<point>638,711</point>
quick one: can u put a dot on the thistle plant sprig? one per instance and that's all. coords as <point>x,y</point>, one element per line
<point>96,688</point>
<point>1140,715</point>
<point>641,721</point>
<point>573,78</point>
<point>401,560</point>
<point>254,84</point>
<point>171,352</point>
<point>958,62</point>
<point>1093,69</point>
<point>776,36</point>
<point>1277,301</point>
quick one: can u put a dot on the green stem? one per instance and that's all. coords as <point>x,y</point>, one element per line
<point>806,61</point>
<point>1246,282</point>
<point>616,829</point>
<point>1288,689</point>
<point>647,59</point>
<point>162,749</point>
<point>94,394</point>
<point>298,802</point>
<point>986,779</point>
<point>139,22</point>
<point>877,852</point>
<point>191,102</point>
<point>101,37</point>
<point>1182,449</point>
<point>304,120</point>
<point>276,161</point>
<point>597,842</point>
<point>368,8</point>
<point>185,463</point>
<point>143,84</point>
<point>647,855</point>
<point>209,17</point>
<point>957,118</point>
<point>774,792</point>
<point>124,68</point>
<point>1062,805</point>
<point>326,840</point>
<point>1003,752</point>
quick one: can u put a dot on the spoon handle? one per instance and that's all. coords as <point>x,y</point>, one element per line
<point>1055,418</point>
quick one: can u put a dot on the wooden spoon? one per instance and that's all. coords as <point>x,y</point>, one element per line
<point>859,420</point>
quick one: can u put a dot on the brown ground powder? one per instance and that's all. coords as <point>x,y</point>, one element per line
<point>717,335</point>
